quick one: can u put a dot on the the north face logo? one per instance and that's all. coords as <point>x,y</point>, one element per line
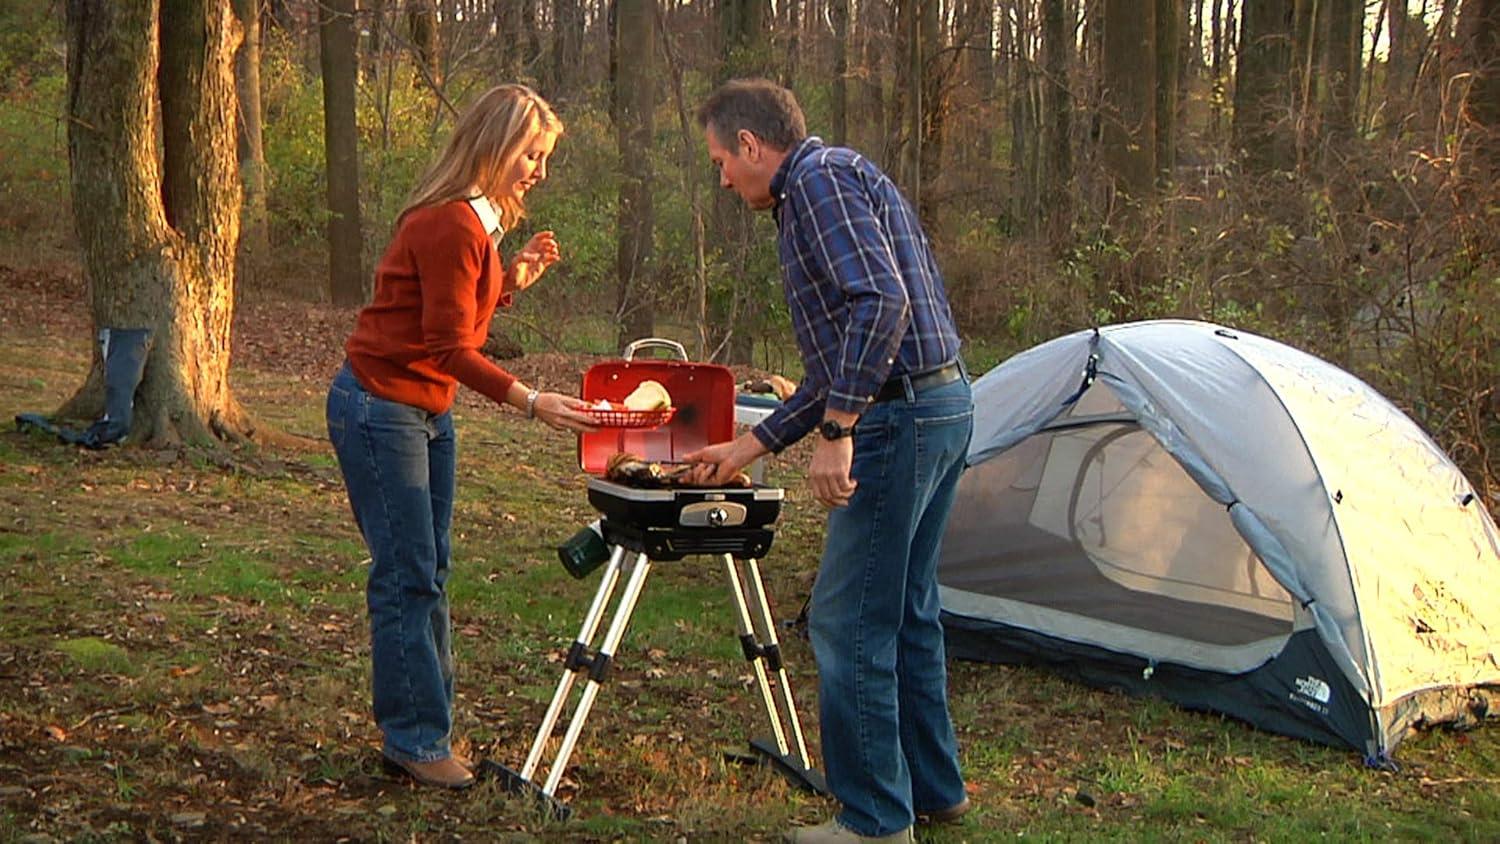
<point>1315,688</point>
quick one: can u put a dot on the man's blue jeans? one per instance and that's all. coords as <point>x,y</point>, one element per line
<point>888,744</point>
<point>398,465</point>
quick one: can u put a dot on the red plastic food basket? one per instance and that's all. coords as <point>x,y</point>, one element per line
<point>631,418</point>
<point>702,411</point>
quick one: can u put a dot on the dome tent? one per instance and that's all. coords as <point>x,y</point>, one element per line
<point>1181,509</point>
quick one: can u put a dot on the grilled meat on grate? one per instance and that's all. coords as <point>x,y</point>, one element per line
<point>633,470</point>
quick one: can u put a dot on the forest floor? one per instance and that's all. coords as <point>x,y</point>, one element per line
<point>183,655</point>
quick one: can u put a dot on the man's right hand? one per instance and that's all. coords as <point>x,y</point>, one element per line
<point>719,464</point>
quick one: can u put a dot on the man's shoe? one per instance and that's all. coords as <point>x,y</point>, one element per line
<point>443,773</point>
<point>948,815</point>
<point>833,832</point>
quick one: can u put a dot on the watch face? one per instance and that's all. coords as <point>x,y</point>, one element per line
<point>832,430</point>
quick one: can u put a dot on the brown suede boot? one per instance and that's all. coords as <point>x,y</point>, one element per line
<point>948,815</point>
<point>441,773</point>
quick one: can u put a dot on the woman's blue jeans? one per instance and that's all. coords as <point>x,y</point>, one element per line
<point>398,465</point>
<point>888,744</point>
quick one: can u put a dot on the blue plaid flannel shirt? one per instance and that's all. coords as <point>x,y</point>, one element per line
<point>866,298</point>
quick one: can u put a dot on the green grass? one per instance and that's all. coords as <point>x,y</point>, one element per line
<point>197,633</point>
<point>96,655</point>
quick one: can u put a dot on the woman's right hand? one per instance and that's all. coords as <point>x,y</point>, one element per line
<point>565,413</point>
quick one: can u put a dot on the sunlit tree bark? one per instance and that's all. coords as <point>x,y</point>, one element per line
<point>158,235</point>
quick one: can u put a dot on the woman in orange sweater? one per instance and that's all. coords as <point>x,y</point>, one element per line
<point>436,289</point>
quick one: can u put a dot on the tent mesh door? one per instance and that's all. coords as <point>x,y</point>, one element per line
<point>1098,520</point>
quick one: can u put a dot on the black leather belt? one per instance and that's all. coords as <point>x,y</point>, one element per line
<point>896,387</point>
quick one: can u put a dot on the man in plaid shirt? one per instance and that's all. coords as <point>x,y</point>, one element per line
<point>891,404</point>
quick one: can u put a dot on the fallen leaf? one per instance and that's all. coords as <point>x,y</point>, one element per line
<point>57,733</point>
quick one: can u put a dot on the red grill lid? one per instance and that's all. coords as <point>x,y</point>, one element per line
<point>702,393</point>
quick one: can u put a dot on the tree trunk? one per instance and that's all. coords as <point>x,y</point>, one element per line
<point>1343,62</point>
<point>567,48</point>
<point>1168,52</point>
<point>690,172</point>
<point>255,240</point>
<point>1217,95</point>
<point>533,35</point>
<point>1484,97</point>
<point>1263,86</point>
<point>422,28</point>
<point>838,13</point>
<point>937,69</point>
<point>1024,148</point>
<point>793,41</point>
<point>1057,47</point>
<point>742,26</point>
<point>1398,64</point>
<point>635,89</point>
<point>509,40</point>
<point>1128,142</point>
<point>346,275</point>
<point>979,27</point>
<point>910,90</point>
<point>158,240</point>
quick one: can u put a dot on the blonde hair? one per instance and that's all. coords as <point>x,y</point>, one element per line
<point>488,138</point>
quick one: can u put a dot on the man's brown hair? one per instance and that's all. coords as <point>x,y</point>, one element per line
<point>767,110</point>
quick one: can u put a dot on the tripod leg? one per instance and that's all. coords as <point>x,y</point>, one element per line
<point>753,650</point>
<point>599,669</point>
<point>767,630</point>
<point>573,667</point>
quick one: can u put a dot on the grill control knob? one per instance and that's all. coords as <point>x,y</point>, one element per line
<point>712,514</point>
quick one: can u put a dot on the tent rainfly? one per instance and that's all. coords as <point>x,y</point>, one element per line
<point>1181,509</point>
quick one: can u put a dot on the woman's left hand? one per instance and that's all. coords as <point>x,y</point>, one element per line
<point>539,253</point>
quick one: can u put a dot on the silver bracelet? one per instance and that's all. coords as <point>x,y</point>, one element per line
<point>531,403</point>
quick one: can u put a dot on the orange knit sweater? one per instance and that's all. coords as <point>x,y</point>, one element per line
<point>436,289</point>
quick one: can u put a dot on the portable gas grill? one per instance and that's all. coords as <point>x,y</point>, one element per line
<point>641,525</point>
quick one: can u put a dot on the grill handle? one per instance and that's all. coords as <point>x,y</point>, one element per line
<point>655,343</point>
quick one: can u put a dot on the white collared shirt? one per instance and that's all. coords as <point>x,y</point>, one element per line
<point>488,217</point>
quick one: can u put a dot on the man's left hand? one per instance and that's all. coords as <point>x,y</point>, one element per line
<point>829,471</point>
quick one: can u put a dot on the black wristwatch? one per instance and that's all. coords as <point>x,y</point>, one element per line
<point>832,430</point>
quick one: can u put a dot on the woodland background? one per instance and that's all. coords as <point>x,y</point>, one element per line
<point>1320,171</point>
<point>182,629</point>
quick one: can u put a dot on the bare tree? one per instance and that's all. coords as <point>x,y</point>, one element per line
<point>838,13</point>
<point>1057,47</point>
<point>510,50</point>
<point>635,104</point>
<point>1484,97</point>
<point>1263,85</point>
<point>567,47</point>
<point>255,240</point>
<point>1342,63</point>
<point>1128,142</point>
<point>346,275</point>
<point>1168,55</point>
<point>745,47</point>
<point>422,29</point>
